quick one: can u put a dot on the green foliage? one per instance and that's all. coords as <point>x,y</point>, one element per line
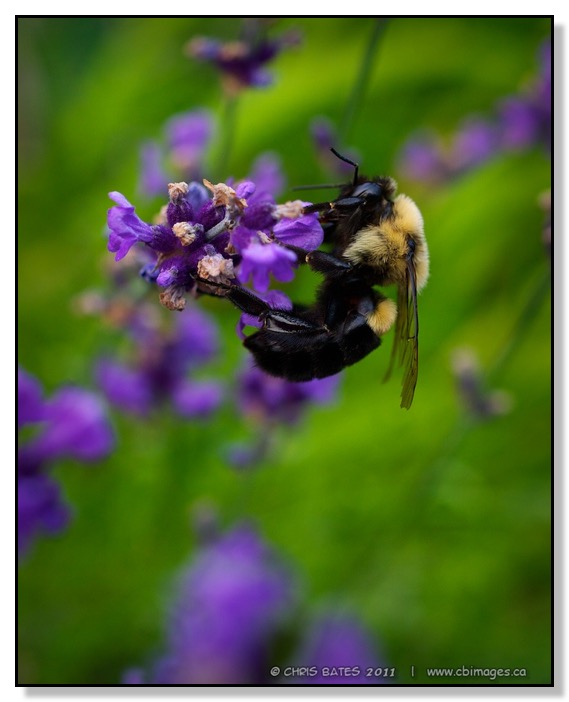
<point>434,529</point>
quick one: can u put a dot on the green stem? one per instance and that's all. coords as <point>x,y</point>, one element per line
<point>362,79</point>
<point>528,314</point>
<point>229,126</point>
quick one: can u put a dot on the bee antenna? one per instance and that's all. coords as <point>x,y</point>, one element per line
<point>347,160</point>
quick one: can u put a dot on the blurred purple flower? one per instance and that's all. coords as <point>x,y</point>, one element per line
<point>72,424</point>
<point>159,371</point>
<point>124,387</point>
<point>272,399</point>
<point>519,123</point>
<point>77,427</point>
<point>421,159</point>
<point>30,399</point>
<point>40,509</point>
<point>230,604</point>
<point>189,135</point>
<point>153,178</point>
<point>476,141</point>
<point>197,400</point>
<point>267,174</point>
<point>241,64</point>
<point>333,642</point>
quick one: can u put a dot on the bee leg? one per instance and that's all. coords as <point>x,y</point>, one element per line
<point>322,262</point>
<point>242,298</point>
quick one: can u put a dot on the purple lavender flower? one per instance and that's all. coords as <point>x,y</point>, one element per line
<point>520,121</point>
<point>338,642</point>
<point>30,399</point>
<point>238,233</point>
<point>231,602</point>
<point>197,400</point>
<point>159,371</point>
<point>241,64</point>
<point>40,509</point>
<point>72,424</point>
<point>421,158</point>
<point>153,178</point>
<point>76,427</point>
<point>189,135</point>
<point>272,399</point>
<point>124,387</point>
<point>476,141</point>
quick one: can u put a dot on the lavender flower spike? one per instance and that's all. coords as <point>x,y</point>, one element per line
<point>334,642</point>
<point>230,604</point>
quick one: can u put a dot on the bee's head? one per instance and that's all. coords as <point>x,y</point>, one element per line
<point>374,191</point>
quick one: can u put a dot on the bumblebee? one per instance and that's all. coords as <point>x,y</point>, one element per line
<point>377,239</point>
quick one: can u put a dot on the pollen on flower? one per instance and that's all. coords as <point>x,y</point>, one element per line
<point>225,196</point>
<point>186,232</point>
<point>177,191</point>
<point>290,210</point>
<point>173,298</point>
<point>216,268</point>
<point>265,239</point>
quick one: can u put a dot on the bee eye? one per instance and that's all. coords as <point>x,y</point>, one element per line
<point>368,190</point>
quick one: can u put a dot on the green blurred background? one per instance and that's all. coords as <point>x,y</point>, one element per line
<point>433,529</point>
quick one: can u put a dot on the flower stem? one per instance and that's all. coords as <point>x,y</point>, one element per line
<point>229,126</point>
<point>525,319</point>
<point>362,80</point>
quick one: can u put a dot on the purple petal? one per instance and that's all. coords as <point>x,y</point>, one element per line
<point>260,260</point>
<point>126,228</point>
<point>245,189</point>
<point>305,232</point>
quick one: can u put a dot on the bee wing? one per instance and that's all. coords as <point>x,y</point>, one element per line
<point>406,343</point>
